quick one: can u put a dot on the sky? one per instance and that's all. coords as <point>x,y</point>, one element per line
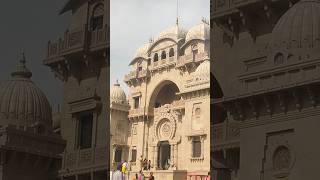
<point>132,24</point>
<point>29,25</point>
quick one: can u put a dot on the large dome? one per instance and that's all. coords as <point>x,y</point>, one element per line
<point>299,27</point>
<point>200,31</point>
<point>175,32</point>
<point>22,102</point>
<point>117,94</point>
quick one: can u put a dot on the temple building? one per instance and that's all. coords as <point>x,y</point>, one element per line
<point>29,147</point>
<point>80,60</point>
<point>265,82</point>
<point>167,107</point>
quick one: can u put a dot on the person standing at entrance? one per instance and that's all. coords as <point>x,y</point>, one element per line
<point>124,167</point>
<point>141,163</point>
<point>149,165</point>
<point>151,176</point>
<point>117,175</point>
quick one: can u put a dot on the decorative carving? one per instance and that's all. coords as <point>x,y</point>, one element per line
<point>281,159</point>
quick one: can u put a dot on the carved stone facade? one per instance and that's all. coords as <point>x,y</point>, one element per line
<point>265,89</point>
<point>80,60</point>
<point>169,97</point>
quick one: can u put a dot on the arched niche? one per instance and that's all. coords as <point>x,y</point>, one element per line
<point>218,114</point>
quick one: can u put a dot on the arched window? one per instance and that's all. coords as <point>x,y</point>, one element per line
<point>171,52</point>
<point>278,59</point>
<point>163,55</point>
<point>97,17</point>
<point>155,57</point>
<point>194,49</point>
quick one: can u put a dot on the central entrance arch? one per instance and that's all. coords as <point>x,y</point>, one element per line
<point>164,93</point>
<point>164,156</point>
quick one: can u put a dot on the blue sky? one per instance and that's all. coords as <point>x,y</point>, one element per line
<point>133,24</point>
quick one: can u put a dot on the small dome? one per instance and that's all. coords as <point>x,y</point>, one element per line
<point>203,69</point>
<point>200,31</point>
<point>142,51</point>
<point>22,102</point>
<point>175,32</point>
<point>299,27</point>
<point>117,94</point>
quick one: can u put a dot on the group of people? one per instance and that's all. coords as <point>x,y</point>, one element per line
<point>121,172</point>
<point>141,176</point>
<point>145,164</point>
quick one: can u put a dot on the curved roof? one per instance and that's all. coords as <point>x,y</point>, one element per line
<point>200,31</point>
<point>173,32</point>
<point>203,69</point>
<point>299,27</point>
<point>22,102</point>
<point>117,94</point>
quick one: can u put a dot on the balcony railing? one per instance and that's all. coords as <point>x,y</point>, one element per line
<point>173,106</point>
<point>163,62</point>
<point>85,157</point>
<point>225,134</point>
<point>136,74</point>
<point>140,112</point>
<point>77,40</point>
<point>191,58</point>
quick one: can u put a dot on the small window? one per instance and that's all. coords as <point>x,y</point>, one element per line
<point>85,131</point>
<point>194,49</point>
<point>136,102</point>
<point>197,112</point>
<point>163,55</point>
<point>278,59</point>
<point>171,52</point>
<point>117,155</point>
<point>97,17</point>
<point>196,147</point>
<point>133,155</point>
<point>139,67</point>
<point>155,57</point>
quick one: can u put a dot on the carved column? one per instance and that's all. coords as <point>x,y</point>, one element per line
<point>172,155</point>
<point>155,166</point>
<point>176,155</point>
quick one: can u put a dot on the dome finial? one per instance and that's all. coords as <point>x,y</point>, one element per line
<point>117,83</point>
<point>21,70</point>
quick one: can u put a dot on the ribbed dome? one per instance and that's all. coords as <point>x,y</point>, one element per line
<point>299,27</point>
<point>175,32</point>
<point>200,31</point>
<point>22,102</point>
<point>203,70</point>
<point>117,94</point>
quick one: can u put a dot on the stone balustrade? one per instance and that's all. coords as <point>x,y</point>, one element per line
<point>85,158</point>
<point>139,112</point>
<point>76,41</point>
<point>225,134</point>
<point>190,58</point>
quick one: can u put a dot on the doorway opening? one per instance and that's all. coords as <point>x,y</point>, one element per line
<point>164,159</point>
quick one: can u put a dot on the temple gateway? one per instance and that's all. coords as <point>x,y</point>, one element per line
<point>165,117</point>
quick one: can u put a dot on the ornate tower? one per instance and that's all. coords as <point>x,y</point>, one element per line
<point>80,60</point>
<point>119,126</point>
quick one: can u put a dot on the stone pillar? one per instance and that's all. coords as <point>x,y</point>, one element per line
<point>176,155</point>
<point>172,155</point>
<point>155,166</point>
<point>152,155</point>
